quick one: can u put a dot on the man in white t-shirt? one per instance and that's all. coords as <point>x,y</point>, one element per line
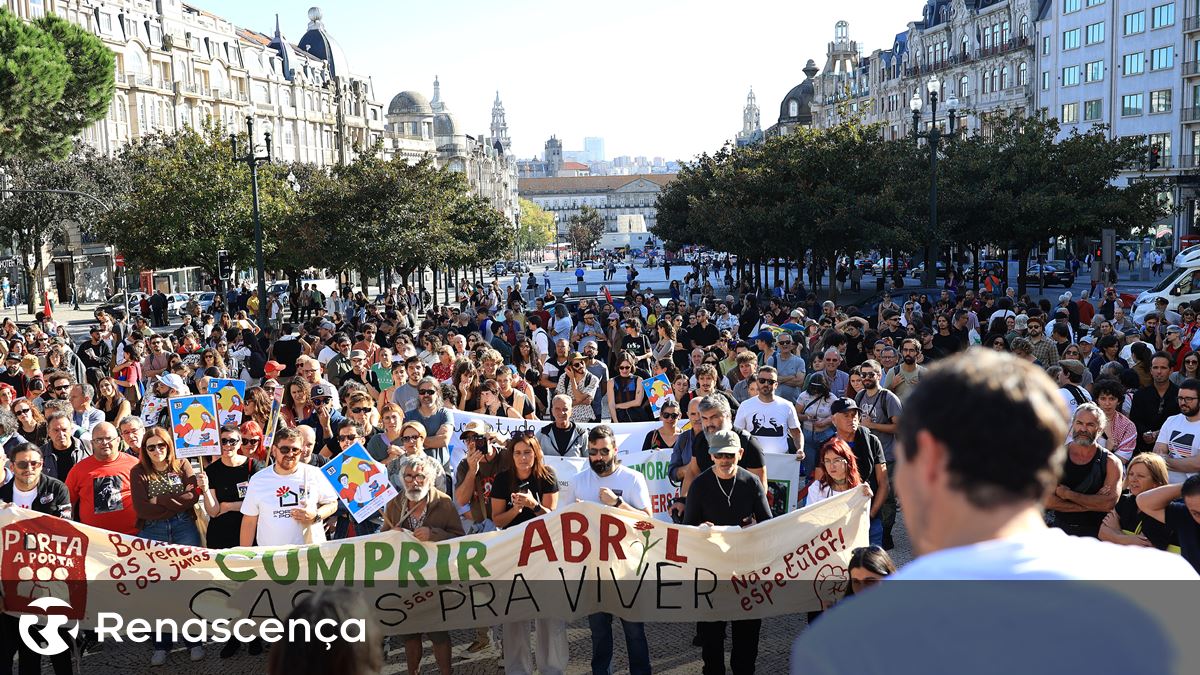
<point>768,418</point>
<point>972,516</point>
<point>1179,439</point>
<point>608,482</point>
<point>286,498</point>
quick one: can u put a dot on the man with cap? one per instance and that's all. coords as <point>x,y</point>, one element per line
<point>581,386</point>
<point>154,403</point>
<point>95,353</point>
<point>868,451</point>
<point>475,474</point>
<point>1070,381</point>
<point>338,363</point>
<point>1062,317</point>
<point>325,419</point>
<point>726,495</point>
<point>1174,345</point>
<point>765,341</point>
<point>308,370</point>
<point>362,373</point>
<point>12,375</point>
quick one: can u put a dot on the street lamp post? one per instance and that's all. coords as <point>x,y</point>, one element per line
<point>934,138</point>
<point>253,159</point>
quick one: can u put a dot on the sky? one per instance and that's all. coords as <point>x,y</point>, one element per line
<point>665,78</point>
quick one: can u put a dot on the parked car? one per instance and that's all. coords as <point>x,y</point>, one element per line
<point>204,298</point>
<point>1051,273</point>
<point>515,267</point>
<point>877,268</point>
<point>995,266</point>
<point>919,270</point>
<point>116,304</point>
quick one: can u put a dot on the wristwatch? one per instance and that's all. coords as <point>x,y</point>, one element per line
<point>617,504</point>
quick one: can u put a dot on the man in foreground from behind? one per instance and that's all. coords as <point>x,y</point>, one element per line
<point>972,504</point>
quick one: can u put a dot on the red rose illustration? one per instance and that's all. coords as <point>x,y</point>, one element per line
<point>643,525</point>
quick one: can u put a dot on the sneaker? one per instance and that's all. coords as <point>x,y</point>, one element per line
<point>197,653</point>
<point>256,647</point>
<point>888,544</point>
<point>158,658</point>
<point>232,647</point>
<point>481,643</point>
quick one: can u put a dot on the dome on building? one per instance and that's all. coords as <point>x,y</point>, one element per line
<point>797,104</point>
<point>318,43</point>
<point>409,103</point>
<point>445,125</point>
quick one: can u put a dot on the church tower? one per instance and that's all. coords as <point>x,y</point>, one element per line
<point>436,104</point>
<point>499,126</point>
<point>751,132</point>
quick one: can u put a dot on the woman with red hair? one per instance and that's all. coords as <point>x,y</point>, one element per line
<point>840,471</point>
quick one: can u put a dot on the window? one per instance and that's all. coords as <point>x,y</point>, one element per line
<point>1093,3</point>
<point>1163,141</point>
<point>1162,58</point>
<point>1071,6</point>
<point>1046,45</point>
<point>1005,78</point>
<point>1135,23</point>
<point>963,87</point>
<point>1131,104</point>
<point>1092,110</point>
<point>1023,28</point>
<point>1135,64</point>
<point>1093,71</point>
<point>1070,76</point>
<point>1045,80</point>
<point>793,108</point>
<point>1095,33</point>
<point>1023,74</point>
<point>1070,113</point>
<point>1162,16</point>
<point>1070,39</point>
<point>1160,101</point>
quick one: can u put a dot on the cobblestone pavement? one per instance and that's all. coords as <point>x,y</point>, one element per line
<point>671,649</point>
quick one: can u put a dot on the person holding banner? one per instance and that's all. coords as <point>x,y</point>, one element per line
<point>286,502</point>
<point>165,490</point>
<point>430,515</point>
<point>607,482</point>
<point>526,491</point>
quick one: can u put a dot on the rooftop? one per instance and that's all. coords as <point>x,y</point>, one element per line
<point>530,186</point>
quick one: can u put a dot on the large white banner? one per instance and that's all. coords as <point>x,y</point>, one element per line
<point>578,560</point>
<point>783,471</point>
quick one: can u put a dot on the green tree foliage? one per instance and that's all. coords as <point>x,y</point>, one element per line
<point>55,80</point>
<point>585,230</point>
<point>536,228</point>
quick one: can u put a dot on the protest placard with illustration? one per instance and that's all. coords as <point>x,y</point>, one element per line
<point>194,425</point>
<point>230,396</point>
<point>361,482</point>
<point>658,392</point>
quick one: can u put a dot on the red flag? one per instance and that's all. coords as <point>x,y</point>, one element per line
<point>607,294</point>
<point>46,305</point>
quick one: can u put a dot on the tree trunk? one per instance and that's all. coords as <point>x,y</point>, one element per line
<point>978,271</point>
<point>833,284</point>
<point>1022,268</point>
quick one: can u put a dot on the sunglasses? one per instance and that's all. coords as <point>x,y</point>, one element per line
<point>231,441</point>
<point>767,380</point>
<point>321,401</point>
<point>155,447</point>
<point>252,441</point>
<point>22,411</point>
<point>413,438</point>
<point>361,410</point>
<point>670,416</point>
<point>26,464</point>
<point>426,392</point>
<point>347,437</point>
<point>289,450</point>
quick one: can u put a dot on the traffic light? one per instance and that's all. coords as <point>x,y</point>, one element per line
<point>1152,158</point>
<point>224,265</point>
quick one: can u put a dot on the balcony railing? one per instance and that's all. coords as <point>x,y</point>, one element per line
<point>1190,114</point>
<point>1189,161</point>
<point>1191,23</point>
<point>1191,68</point>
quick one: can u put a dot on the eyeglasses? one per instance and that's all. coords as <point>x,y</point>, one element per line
<point>835,461</point>
<point>1185,399</point>
<point>426,392</point>
<point>361,410</point>
<point>768,380</point>
<point>321,401</point>
<point>413,438</point>
<point>347,437</point>
<point>289,449</point>
<point>670,416</point>
<point>26,464</point>
<point>103,440</point>
<point>414,478</point>
<point>155,447</point>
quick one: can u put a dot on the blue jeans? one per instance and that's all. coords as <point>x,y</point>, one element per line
<point>876,532</point>
<point>602,647</point>
<point>179,529</point>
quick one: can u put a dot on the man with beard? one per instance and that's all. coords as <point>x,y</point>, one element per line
<point>1179,439</point>
<point>879,411</point>
<point>1091,479</point>
<point>745,505</point>
<point>610,483</point>
<point>430,515</point>
<point>287,499</point>
<point>901,379</point>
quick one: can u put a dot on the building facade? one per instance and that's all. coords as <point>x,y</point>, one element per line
<point>178,65</point>
<point>615,197</point>
<point>1132,67</point>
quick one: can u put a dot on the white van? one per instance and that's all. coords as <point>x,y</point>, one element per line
<point>1180,286</point>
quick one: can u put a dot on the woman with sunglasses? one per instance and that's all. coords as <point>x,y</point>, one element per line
<point>30,422</point>
<point>1190,369</point>
<point>664,436</point>
<point>227,481</point>
<point>625,395</point>
<point>165,490</point>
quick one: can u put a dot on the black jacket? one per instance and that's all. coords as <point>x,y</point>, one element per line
<point>52,496</point>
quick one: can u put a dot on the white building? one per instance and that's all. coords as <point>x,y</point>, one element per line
<point>615,197</point>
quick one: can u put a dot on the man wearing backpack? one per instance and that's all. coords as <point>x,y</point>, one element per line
<point>1070,382</point>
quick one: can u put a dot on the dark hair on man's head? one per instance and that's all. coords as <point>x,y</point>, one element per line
<point>1190,383</point>
<point>1014,462</point>
<point>601,431</point>
<point>1191,486</point>
<point>1108,387</point>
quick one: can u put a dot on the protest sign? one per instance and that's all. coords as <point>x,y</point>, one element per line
<point>658,391</point>
<point>194,424</point>
<point>579,560</point>
<point>230,395</point>
<point>361,482</point>
<point>273,420</point>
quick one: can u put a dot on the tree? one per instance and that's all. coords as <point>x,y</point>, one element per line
<point>33,221</point>
<point>536,229</point>
<point>185,199</point>
<point>55,80</point>
<point>585,230</point>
